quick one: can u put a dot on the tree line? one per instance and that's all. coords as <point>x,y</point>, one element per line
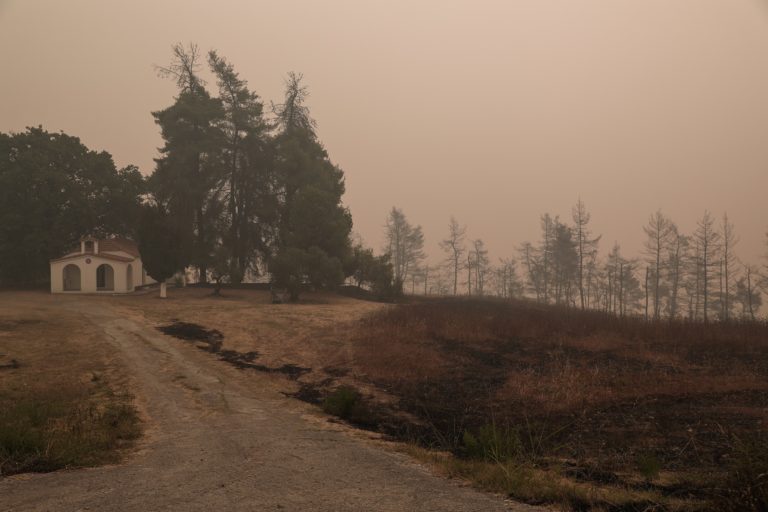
<point>53,190</point>
<point>248,192</point>
<point>240,190</point>
<point>696,276</point>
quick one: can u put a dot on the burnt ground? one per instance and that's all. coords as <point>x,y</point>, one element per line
<point>599,445</point>
<point>600,412</point>
<point>211,340</point>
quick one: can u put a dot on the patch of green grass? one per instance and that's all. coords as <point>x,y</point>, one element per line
<point>526,443</point>
<point>493,443</point>
<point>649,466</point>
<point>523,481</point>
<point>347,403</point>
<point>70,428</point>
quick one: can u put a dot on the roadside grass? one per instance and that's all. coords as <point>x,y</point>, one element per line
<point>62,429</point>
<point>552,486</point>
<point>64,405</point>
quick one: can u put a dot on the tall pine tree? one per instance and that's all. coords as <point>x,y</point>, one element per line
<point>189,169</point>
<point>314,226</point>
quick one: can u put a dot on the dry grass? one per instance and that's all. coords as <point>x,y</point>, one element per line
<point>312,333</point>
<point>65,405</point>
<point>544,486</point>
<point>617,401</point>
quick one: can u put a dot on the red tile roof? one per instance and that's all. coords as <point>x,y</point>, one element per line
<point>119,244</point>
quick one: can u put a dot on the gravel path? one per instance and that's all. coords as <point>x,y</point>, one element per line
<point>222,439</point>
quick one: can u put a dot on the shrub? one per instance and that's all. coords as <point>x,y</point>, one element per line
<point>493,443</point>
<point>347,403</point>
<point>649,466</point>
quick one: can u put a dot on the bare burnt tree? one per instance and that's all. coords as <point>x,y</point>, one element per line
<point>546,249</point>
<point>184,68</point>
<point>480,263</point>
<point>614,271</point>
<point>728,266</point>
<point>708,242</point>
<point>564,264</point>
<point>508,283</point>
<point>677,258</point>
<point>470,267</point>
<point>647,274</point>
<point>624,290</point>
<point>293,113</point>
<point>592,279</point>
<point>454,248</point>
<point>747,293</point>
<point>585,245</point>
<point>659,235</point>
<point>532,265</point>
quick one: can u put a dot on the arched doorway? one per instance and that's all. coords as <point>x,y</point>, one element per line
<point>105,278</point>
<point>129,278</point>
<point>71,275</point>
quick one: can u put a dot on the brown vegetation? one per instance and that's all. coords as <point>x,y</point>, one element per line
<point>626,415</point>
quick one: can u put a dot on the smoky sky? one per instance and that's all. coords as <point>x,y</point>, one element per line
<point>491,111</point>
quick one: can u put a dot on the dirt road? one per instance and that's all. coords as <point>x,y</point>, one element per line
<point>221,439</point>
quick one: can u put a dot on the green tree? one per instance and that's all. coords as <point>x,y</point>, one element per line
<point>187,178</point>
<point>54,190</point>
<point>314,226</point>
<point>358,265</point>
<point>224,268</point>
<point>374,272</point>
<point>247,181</point>
<point>382,279</point>
<point>294,267</point>
<point>162,253</point>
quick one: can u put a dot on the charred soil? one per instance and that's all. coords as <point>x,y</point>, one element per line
<point>626,415</point>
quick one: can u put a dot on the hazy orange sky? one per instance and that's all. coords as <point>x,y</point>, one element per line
<point>493,111</point>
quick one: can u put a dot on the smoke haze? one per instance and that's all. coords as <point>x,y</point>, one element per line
<point>492,111</point>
